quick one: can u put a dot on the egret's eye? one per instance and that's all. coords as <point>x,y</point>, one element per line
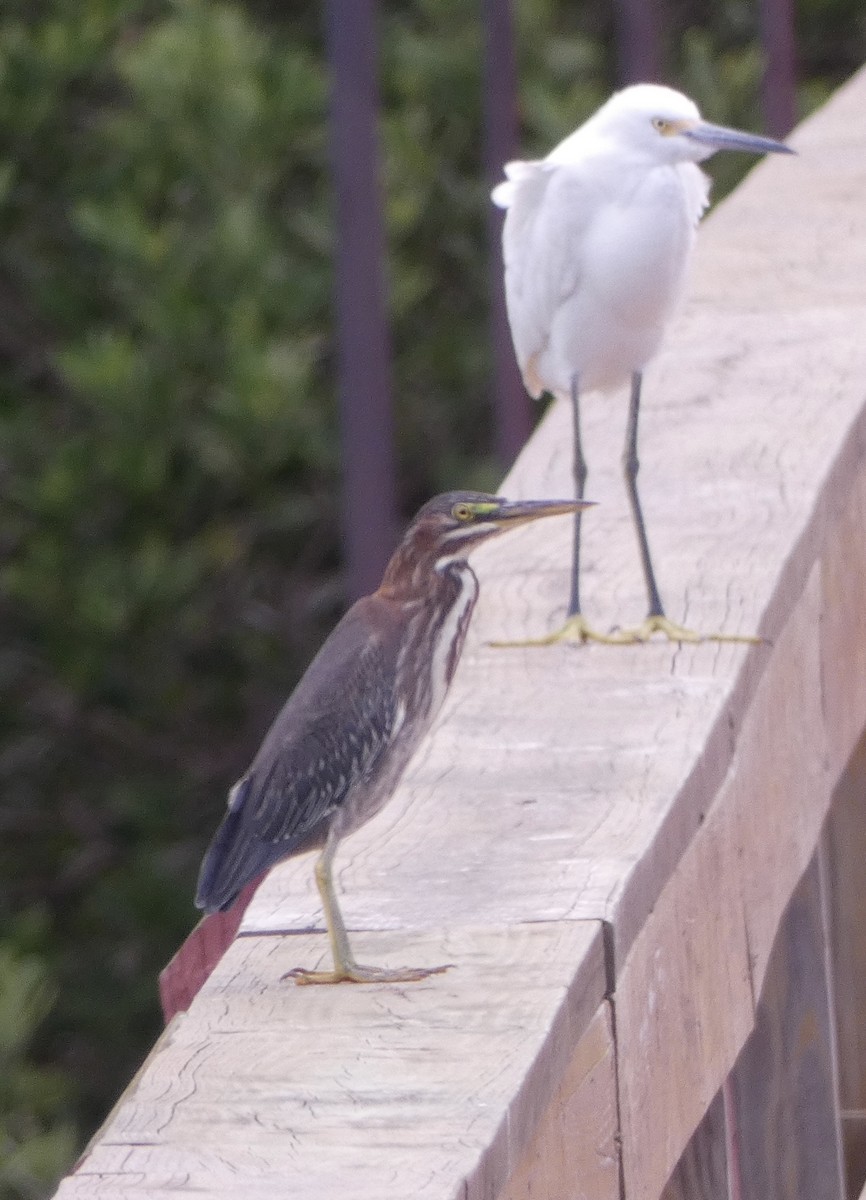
<point>462,512</point>
<point>663,126</point>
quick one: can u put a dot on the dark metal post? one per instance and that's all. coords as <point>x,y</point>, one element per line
<point>511,404</point>
<point>363,344</point>
<point>779,86</point>
<point>638,49</point>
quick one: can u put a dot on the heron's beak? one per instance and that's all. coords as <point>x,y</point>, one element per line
<point>511,513</point>
<point>718,137</point>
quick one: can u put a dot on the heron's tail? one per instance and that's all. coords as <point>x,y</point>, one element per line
<point>234,857</point>
<point>219,881</point>
<point>241,850</point>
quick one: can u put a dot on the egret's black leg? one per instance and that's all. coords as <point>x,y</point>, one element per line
<point>579,471</point>
<point>656,621</point>
<point>576,627</point>
<point>631,466</point>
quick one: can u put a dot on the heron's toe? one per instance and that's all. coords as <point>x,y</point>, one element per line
<point>358,973</point>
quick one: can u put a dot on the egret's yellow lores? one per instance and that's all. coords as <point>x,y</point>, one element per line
<point>596,242</point>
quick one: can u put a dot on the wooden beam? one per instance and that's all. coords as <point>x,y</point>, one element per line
<point>784,1087</point>
<point>263,1086</point>
<point>575,1148</point>
<point>702,1172</point>
<point>845,846</point>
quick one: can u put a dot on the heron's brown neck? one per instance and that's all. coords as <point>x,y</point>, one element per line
<point>422,569</point>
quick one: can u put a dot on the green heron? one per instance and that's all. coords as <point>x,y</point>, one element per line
<point>596,241</point>
<point>336,751</point>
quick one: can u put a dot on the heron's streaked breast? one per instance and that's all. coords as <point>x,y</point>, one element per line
<point>433,640</point>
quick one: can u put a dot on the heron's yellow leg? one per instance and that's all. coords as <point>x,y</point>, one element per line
<point>346,970</point>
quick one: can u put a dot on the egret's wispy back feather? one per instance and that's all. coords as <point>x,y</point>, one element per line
<point>548,215</point>
<point>515,172</point>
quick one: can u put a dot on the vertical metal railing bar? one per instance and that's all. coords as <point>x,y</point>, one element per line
<point>363,342</point>
<point>511,405</point>
<point>779,89</point>
<point>639,57</point>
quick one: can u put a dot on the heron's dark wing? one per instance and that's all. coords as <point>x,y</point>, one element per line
<point>329,737</point>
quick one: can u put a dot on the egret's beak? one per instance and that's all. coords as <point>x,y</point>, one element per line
<point>718,137</point>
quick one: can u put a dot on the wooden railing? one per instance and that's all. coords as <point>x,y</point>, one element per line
<point>643,863</point>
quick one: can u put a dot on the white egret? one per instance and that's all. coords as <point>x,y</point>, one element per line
<point>596,242</point>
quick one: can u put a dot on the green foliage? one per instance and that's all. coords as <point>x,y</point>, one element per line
<point>37,1140</point>
<point>168,440</point>
<point>168,466</point>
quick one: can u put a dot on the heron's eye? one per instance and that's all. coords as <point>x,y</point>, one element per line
<point>663,126</point>
<point>462,512</point>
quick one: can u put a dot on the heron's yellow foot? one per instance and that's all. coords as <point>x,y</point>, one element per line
<point>679,633</point>
<point>575,629</point>
<point>356,973</point>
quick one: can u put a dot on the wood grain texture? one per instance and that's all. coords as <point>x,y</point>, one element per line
<point>843,625</point>
<point>574,1153</point>
<point>783,1085</point>
<point>845,853</point>
<point>429,1089</point>
<point>686,993</point>
<point>702,1172</point>
<point>854,1148</point>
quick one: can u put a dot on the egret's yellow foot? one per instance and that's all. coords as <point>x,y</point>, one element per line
<point>679,633</point>
<point>575,629</point>
<point>356,973</point>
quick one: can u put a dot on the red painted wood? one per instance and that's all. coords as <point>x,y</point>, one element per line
<point>181,979</point>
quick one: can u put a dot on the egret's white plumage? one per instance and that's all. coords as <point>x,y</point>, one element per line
<point>596,243</point>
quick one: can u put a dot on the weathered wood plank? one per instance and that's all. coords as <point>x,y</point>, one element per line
<point>845,853</point>
<point>413,1090</point>
<point>783,1085</point>
<point>702,1172</point>
<point>686,992</point>
<point>843,625</point>
<point>854,1147</point>
<point>574,1154</point>
<point>182,978</point>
